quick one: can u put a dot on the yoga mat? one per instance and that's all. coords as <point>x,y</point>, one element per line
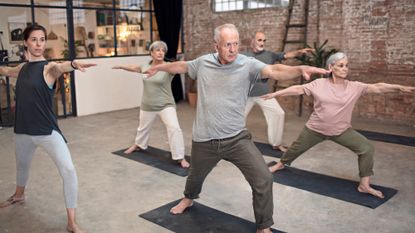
<point>390,138</point>
<point>266,149</point>
<point>342,189</point>
<point>199,219</point>
<point>157,158</point>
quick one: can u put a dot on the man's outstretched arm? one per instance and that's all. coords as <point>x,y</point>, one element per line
<point>178,67</point>
<point>297,53</point>
<point>284,72</point>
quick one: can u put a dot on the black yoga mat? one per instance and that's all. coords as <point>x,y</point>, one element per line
<point>199,219</point>
<point>390,138</point>
<point>266,149</point>
<point>157,158</point>
<point>334,187</point>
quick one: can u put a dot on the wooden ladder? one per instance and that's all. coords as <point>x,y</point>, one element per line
<point>300,42</point>
<point>290,25</point>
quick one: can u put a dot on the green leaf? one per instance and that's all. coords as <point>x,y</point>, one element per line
<point>319,57</point>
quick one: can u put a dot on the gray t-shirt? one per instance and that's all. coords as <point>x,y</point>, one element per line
<point>261,86</point>
<point>223,92</point>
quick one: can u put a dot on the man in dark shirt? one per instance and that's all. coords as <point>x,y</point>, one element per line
<point>274,114</point>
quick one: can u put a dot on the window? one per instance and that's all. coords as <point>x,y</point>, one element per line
<point>131,4</point>
<point>16,1</point>
<point>133,34</point>
<point>54,21</point>
<point>13,21</point>
<point>233,5</point>
<point>50,3</point>
<point>112,30</point>
<point>98,28</point>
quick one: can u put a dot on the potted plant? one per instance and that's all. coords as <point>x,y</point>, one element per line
<point>65,51</point>
<point>317,58</point>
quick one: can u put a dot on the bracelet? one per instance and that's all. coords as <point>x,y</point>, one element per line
<point>73,66</point>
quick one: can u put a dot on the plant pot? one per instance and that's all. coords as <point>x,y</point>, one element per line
<point>192,98</point>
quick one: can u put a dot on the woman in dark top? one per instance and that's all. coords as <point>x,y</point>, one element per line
<point>35,121</point>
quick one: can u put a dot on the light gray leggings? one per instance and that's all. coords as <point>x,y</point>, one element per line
<point>56,147</point>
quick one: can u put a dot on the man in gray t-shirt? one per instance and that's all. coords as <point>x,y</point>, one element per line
<point>274,114</point>
<point>224,81</point>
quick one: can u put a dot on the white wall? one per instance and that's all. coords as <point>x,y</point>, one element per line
<point>102,89</point>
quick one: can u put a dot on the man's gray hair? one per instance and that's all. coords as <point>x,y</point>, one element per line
<point>334,58</point>
<point>158,45</point>
<point>256,32</point>
<point>218,29</point>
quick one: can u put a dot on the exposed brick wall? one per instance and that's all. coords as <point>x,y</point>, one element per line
<point>377,35</point>
<point>200,21</point>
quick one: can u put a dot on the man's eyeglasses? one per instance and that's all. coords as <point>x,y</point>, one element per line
<point>262,40</point>
<point>230,45</point>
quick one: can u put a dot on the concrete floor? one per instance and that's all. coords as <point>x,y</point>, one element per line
<point>114,190</point>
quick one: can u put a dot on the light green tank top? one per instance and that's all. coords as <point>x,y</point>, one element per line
<point>157,94</point>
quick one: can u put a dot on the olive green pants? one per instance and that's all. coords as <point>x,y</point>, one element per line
<point>350,139</point>
<point>242,152</point>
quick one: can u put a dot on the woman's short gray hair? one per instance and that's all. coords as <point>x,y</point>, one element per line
<point>334,58</point>
<point>218,29</point>
<point>158,45</point>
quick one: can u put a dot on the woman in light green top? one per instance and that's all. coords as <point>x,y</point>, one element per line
<point>157,100</point>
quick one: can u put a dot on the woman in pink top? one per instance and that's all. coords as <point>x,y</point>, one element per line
<point>334,100</point>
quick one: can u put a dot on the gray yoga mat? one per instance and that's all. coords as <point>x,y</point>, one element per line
<point>157,158</point>
<point>330,186</point>
<point>199,219</point>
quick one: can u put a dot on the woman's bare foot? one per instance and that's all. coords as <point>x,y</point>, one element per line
<point>74,229</point>
<point>276,167</point>
<point>280,148</point>
<point>367,189</point>
<point>267,230</point>
<point>184,163</point>
<point>12,201</point>
<point>182,206</point>
<point>132,149</point>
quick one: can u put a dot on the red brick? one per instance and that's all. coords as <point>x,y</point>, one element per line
<point>376,35</point>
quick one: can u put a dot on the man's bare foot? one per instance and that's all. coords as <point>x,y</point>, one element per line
<point>267,230</point>
<point>367,189</point>
<point>132,149</point>
<point>280,148</point>
<point>182,206</point>
<point>276,167</point>
<point>74,229</point>
<point>12,201</point>
<point>184,163</point>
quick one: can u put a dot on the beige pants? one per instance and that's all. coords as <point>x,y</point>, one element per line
<point>274,116</point>
<point>174,132</point>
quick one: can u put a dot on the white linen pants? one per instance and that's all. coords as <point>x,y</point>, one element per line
<point>274,116</point>
<point>174,132</point>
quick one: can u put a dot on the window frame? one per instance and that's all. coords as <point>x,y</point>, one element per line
<point>246,5</point>
<point>32,6</point>
<point>69,7</point>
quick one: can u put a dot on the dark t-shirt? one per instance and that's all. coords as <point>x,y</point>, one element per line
<point>267,57</point>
